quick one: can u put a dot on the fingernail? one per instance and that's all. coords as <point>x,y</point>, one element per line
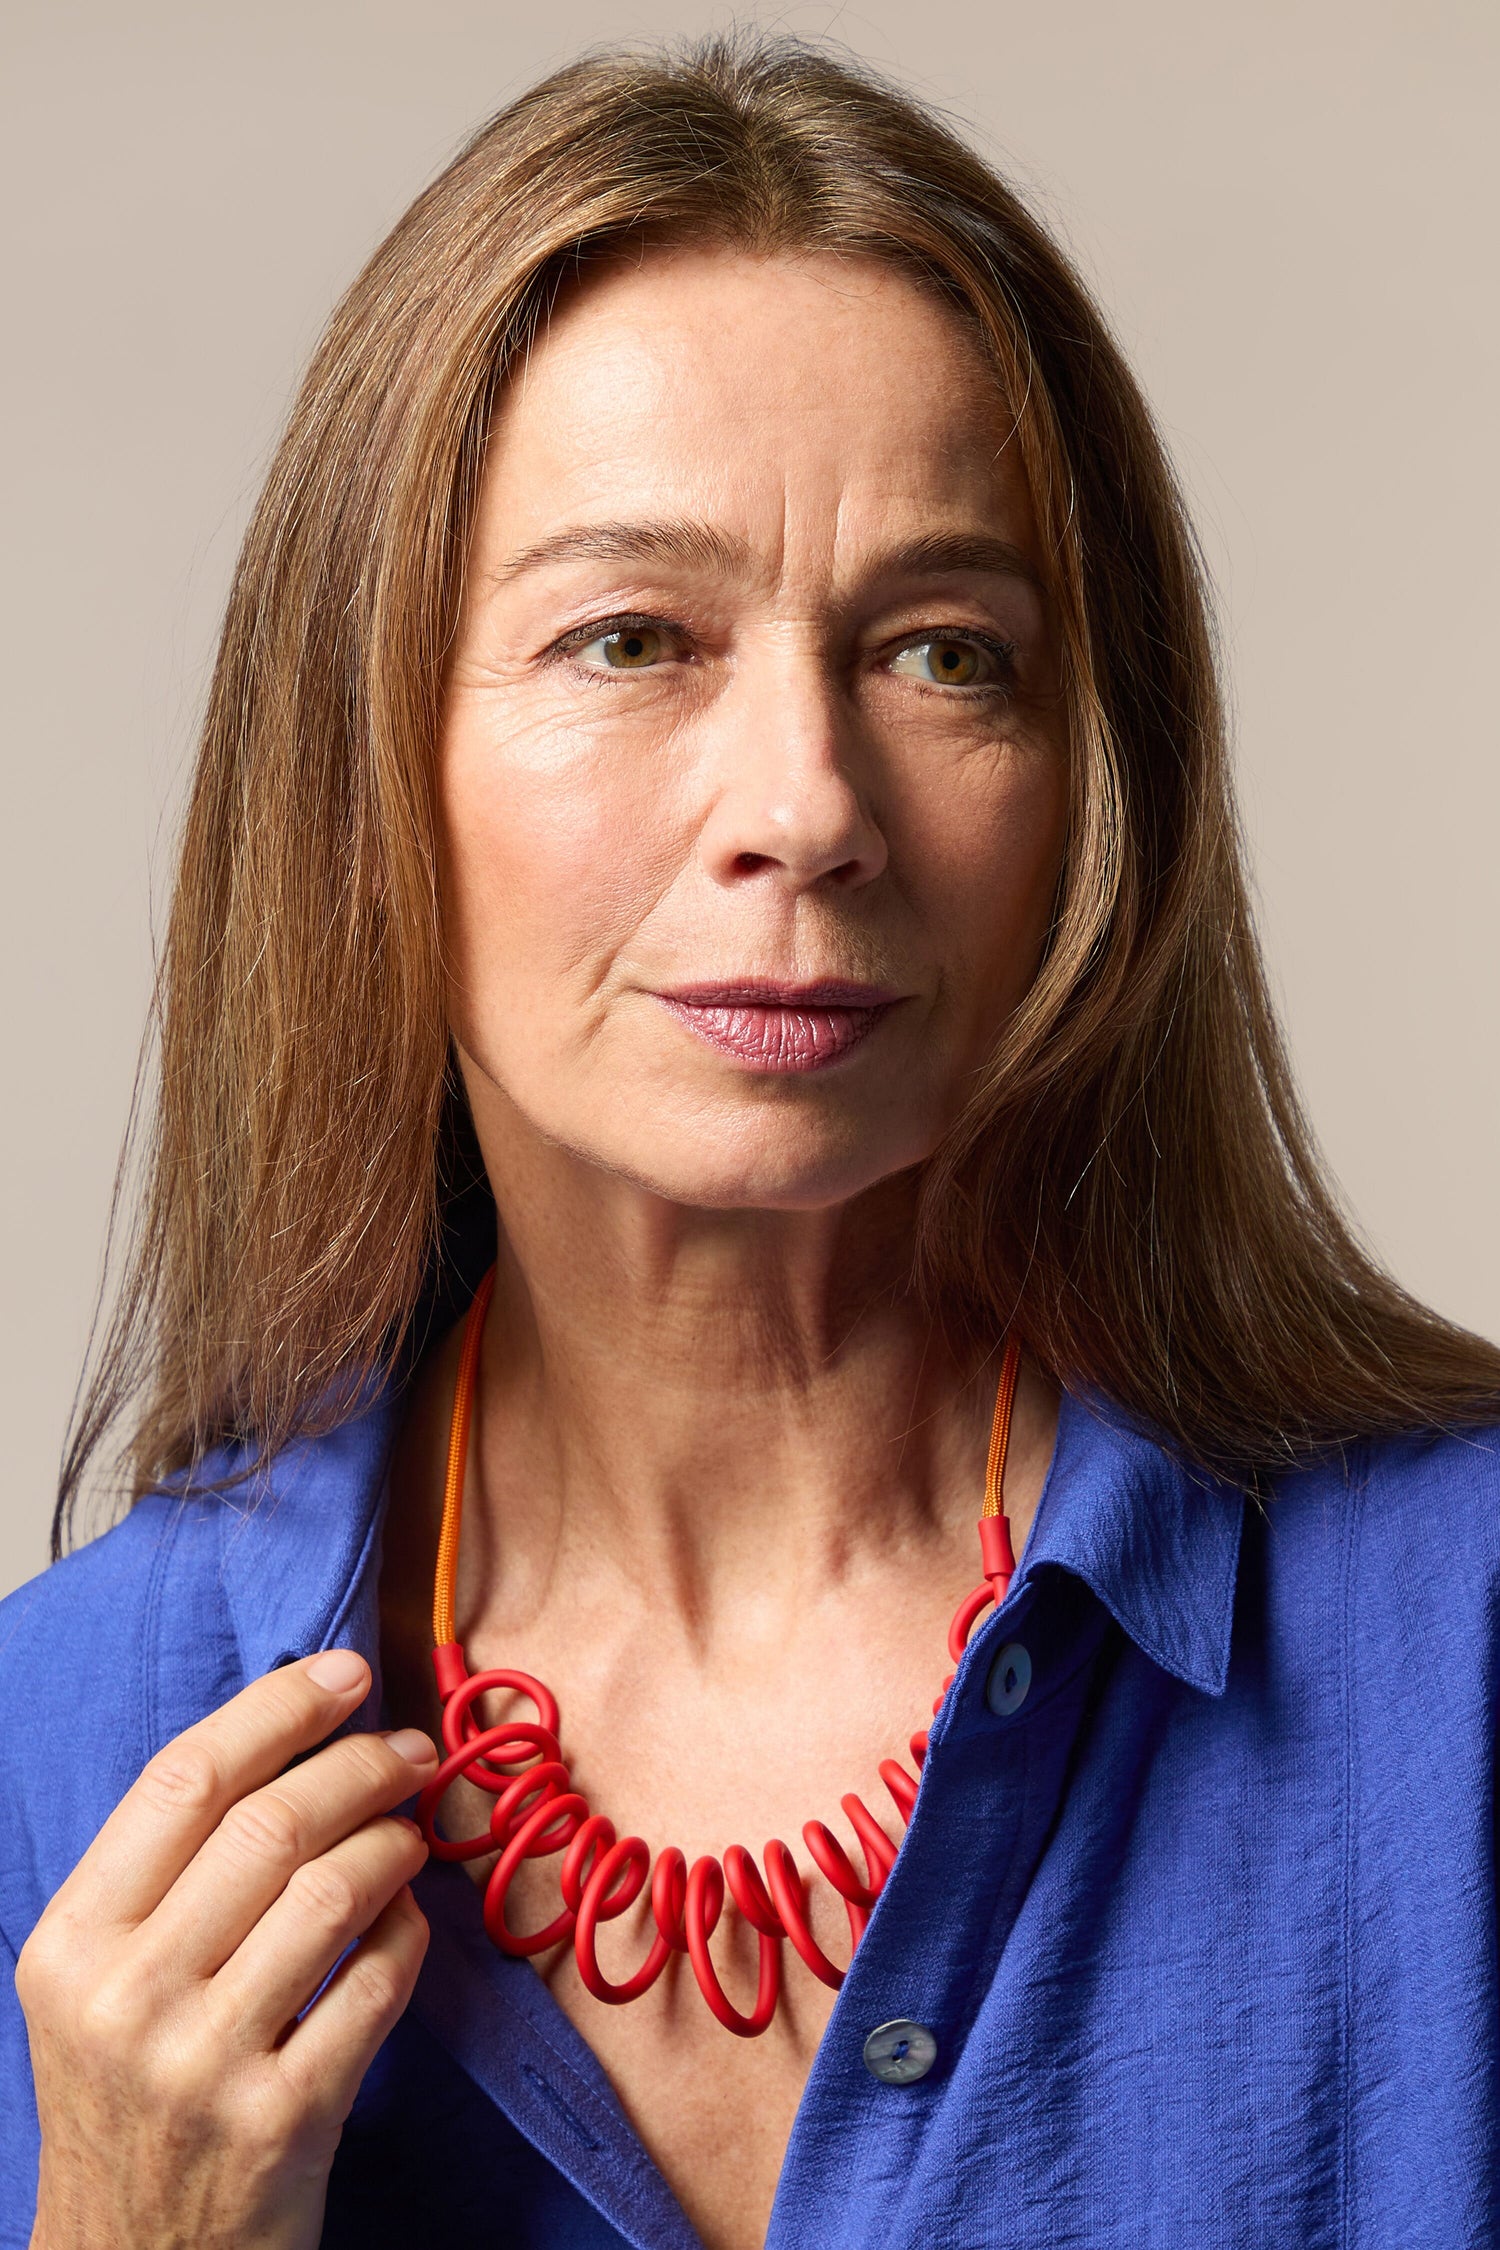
<point>412,1744</point>
<point>338,1670</point>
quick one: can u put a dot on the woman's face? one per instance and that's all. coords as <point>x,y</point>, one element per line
<point>752,773</point>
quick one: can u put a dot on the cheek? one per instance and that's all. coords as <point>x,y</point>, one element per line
<point>994,849</point>
<point>551,852</point>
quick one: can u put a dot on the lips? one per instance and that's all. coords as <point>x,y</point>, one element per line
<point>779,1027</point>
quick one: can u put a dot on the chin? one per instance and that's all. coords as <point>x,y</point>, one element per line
<point>763,1171</point>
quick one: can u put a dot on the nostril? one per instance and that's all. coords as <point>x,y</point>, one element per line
<point>750,863</point>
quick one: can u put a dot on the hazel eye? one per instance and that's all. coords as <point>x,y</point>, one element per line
<point>949,660</point>
<point>626,648</point>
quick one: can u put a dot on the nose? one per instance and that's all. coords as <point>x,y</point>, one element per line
<point>789,808</point>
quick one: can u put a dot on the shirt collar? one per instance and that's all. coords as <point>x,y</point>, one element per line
<point>299,1546</point>
<point>1157,1541</point>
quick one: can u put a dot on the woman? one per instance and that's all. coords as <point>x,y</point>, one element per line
<point>714,764</point>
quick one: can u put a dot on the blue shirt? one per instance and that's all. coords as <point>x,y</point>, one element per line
<point>1203,1925</point>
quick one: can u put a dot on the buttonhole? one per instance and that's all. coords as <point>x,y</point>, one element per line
<point>569,2117</point>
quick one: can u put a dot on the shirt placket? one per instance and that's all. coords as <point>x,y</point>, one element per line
<point>991,1795</point>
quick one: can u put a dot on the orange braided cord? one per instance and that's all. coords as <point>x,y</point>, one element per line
<point>1005,1399</point>
<point>458,1453</point>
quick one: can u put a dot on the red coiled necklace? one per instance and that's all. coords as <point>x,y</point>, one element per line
<point>537,1810</point>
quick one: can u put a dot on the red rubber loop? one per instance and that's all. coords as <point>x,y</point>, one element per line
<point>624,1866</point>
<point>789,1894</point>
<point>460,1724</point>
<point>493,1757</point>
<point>503,1873</point>
<point>900,1784</point>
<point>747,1888</point>
<point>593,1843</point>
<point>837,1869</point>
<point>459,1762</point>
<point>703,1906</point>
<point>879,1851</point>
<point>669,1897</point>
<point>535,1786</point>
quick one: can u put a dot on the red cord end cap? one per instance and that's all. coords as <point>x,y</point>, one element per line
<point>449,1667</point>
<point>995,1549</point>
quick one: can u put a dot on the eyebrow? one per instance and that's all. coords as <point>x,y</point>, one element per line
<point>703,546</point>
<point>956,554</point>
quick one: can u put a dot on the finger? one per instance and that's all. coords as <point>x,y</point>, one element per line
<point>333,2046</point>
<point>182,1795</point>
<point>328,1903</point>
<point>265,1842</point>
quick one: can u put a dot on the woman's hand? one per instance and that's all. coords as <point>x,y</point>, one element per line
<point>181,2103</point>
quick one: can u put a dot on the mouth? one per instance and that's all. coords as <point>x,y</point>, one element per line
<point>773,1028</point>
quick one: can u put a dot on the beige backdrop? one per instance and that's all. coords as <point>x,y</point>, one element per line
<point>1287,209</point>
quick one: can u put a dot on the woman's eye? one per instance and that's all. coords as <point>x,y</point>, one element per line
<point>948,659</point>
<point>625,648</point>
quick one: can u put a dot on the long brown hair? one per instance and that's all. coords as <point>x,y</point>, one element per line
<point>1132,1177</point>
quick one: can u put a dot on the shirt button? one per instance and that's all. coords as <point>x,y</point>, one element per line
<point>1010,1677</point>
<point>898,2052</point>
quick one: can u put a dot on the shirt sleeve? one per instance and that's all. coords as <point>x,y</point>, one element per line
<point>20,2137</point>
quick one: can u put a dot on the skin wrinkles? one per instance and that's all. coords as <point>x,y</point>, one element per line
<point>725,1469</point>
<point>704,546</point>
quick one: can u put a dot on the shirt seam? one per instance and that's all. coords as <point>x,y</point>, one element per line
<point>231,1609</point>
<point>639,2156</point>
<point>1353,1481</point>
<point>614,2137</point>
<point>150,1685</point>
<point>336,1616</point>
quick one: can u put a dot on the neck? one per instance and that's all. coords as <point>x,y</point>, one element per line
<point>715,1410</point>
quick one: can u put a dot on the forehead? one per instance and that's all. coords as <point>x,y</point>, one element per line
<point>746,388</point>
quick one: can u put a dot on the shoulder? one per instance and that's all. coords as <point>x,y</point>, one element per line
<point>114,1650</point>
<point>1454,1471</point>
<point>1430,1499</point>
<point>75,1639</point>
<point>1425,1570</point>
<point>87,1613</point>
<point>82,1682</point>
<point>1392,1556</point>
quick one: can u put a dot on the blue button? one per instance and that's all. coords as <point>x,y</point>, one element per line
<point>1010,1677</point>
<point>896,2053</point>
